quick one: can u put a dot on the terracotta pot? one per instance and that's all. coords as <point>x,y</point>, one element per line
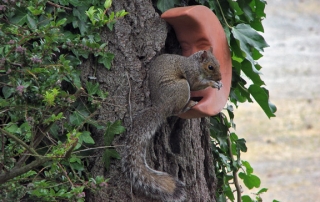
<point>197,28</point>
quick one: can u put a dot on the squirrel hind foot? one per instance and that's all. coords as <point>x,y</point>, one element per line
<point>178,193</point>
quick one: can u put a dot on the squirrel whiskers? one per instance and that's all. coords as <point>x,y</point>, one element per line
<point>171,78</point>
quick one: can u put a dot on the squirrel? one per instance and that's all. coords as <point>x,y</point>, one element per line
<point>171,78</point>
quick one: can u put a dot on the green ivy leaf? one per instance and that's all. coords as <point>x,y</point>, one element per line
<point>35,11</point>
<point>61,22</point>
<point>20,17</point>
<point>235,6</point>
<point>77,166</point>
<point>261,95</point>
<point>250,180</point>
<point>107,155</point>
<point>31,22</point>
<point>7,91</point>
<point>248,37</point>
<point>259,8</point>
<point>248,167</point>
<point>164,5</point>
<point>92,88</point>
<point>77,117</point>
<point>221,198</point>
<point>228,192</point>
<point>246,198</point>
<point>13,128</point>
<point>4,103</point>
<point>112,130</point>
<point>225,160</point>
<point>262,190</point>
<point>121,13</point>
<point>244,5</point>
<point>106,59</point>
<point>86,137</point>
<point>257,25</point>
<point>241,145</point>
<point>107,4</point>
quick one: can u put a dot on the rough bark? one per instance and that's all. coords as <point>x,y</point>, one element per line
<point>180,147</point>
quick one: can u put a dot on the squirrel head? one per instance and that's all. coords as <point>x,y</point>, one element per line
<point>210,65</point>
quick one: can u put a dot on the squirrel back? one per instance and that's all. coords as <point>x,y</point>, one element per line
<point>171,77</point>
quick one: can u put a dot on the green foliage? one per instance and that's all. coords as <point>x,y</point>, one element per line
<point>99,18</point>
<point>46,109</point>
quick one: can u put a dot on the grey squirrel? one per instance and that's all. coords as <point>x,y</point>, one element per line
<point>172,77</point>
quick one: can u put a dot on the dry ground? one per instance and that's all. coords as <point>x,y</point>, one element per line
<point>285,151</point>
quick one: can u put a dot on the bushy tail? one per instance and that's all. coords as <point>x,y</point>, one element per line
<point>154,183</point>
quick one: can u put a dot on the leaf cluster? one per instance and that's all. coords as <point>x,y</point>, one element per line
<point>226,149</point>
<point>46,110</point>
<point>242,21</point>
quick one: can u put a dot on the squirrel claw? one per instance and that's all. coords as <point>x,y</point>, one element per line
<point>217,84</point>
<point>189,105</point>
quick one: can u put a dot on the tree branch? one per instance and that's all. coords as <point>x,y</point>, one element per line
<point>16,171</point>
<point>15,138</point>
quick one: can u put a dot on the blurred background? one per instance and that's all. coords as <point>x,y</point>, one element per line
<point>285,151</point>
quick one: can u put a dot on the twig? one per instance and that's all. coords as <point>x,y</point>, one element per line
<point>42,169</point>
<point>65,173</point>
<point>102,147</point>
<point>58,6</point>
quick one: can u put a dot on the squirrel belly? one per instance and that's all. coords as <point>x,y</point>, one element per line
<point>158,185</point>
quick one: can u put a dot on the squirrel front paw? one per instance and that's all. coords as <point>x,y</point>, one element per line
<point>217,84</point>
<point>189,105</point>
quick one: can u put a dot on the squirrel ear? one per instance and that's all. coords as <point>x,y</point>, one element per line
<point>204,56</point>
<point>211,49</point>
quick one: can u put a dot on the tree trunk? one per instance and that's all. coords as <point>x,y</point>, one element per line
<point>180,147</point>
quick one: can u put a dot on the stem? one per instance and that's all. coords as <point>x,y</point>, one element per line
<point>92,148</point>
<point>66,175</point>
<point>234,172</point>
<point>224,18</point>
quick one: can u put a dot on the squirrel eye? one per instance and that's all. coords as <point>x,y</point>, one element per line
<point>210,67</point>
